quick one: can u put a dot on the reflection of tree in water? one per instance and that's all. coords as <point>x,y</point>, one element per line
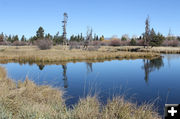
<point>89,67</point>
<point>65,76</point>
<point>41,67</point>
<point>152,65</point>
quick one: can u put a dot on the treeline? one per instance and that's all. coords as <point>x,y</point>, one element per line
<point>154,39</point>
<point>148,38</point>
<point>56,39</point>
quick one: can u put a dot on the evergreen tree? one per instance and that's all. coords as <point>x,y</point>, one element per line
<point>57,39</point>
<point>133,42</point>
<point>15,38</point>
<point>32,39</point>
<point>72,38</point>
<point>82,38</point>
<point>178,38</point>
<point>9,39</point>
<point>139,38</point>
<point>40,33</point>
<point>77,38</point>
<point>152,34</point>
<point>48,36</point>
<point>102,38</point>
<point>95,37</point>
<point>156,39</point>
<point>1,37</point>
<point>23,39</point>
<point>123,39</point>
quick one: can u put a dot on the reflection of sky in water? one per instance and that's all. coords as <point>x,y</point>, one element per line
<point>110,78</point>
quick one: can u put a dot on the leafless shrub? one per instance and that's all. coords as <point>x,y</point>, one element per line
<point>140,42</point>
<point>115,42</point>
<point>19,43</point>
<point>173,43</point>
<point>96,43</point>
<point>5,43</point>
<point>165,43</point>
<point>118,42</point>
<point>74,45</point>
<point>124,43</point>
<point>44,44</point>
<point>105,43</point>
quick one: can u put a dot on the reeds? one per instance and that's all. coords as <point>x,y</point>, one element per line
<point>29,101</point>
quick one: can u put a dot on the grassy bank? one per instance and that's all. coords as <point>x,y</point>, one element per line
<point>26,100</point>
<point>58,54</point>
<point>165,50</point>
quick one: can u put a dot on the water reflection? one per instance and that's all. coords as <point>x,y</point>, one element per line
<point>113,78</point>
<point>65,79</point>
<point>151,65</point>
<point>41,67</point>
<point>89,67</point>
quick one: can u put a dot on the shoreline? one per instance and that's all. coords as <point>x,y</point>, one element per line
<point>71,61</point>
<point>58,54</point>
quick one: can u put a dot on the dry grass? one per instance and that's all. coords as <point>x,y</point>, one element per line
<point>29,101</point>
<point>58,54</point>
<point>166,50</point>
<point>118,108</point>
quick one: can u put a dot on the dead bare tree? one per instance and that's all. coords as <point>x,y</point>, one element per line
<point>89,67</point>
<point>147,32</point>
<point>89,38</point>
<point>64,28</point>
<point>65,76</point>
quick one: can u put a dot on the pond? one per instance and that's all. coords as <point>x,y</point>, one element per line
<point>139,80</point>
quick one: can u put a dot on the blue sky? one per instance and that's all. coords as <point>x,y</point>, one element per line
<point>106,17</point>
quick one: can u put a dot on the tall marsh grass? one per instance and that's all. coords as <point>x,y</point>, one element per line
<point>59,54</point>
<point>26,100</point>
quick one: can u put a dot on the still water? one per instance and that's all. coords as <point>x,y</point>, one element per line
<point>138,80</point>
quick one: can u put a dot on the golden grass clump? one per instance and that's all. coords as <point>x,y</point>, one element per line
<point>2,74</point>
<point>26,100</point>
<point>118,108</point>
<point>87,108</point>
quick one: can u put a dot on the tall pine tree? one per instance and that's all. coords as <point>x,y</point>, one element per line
<point>40,33</point>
